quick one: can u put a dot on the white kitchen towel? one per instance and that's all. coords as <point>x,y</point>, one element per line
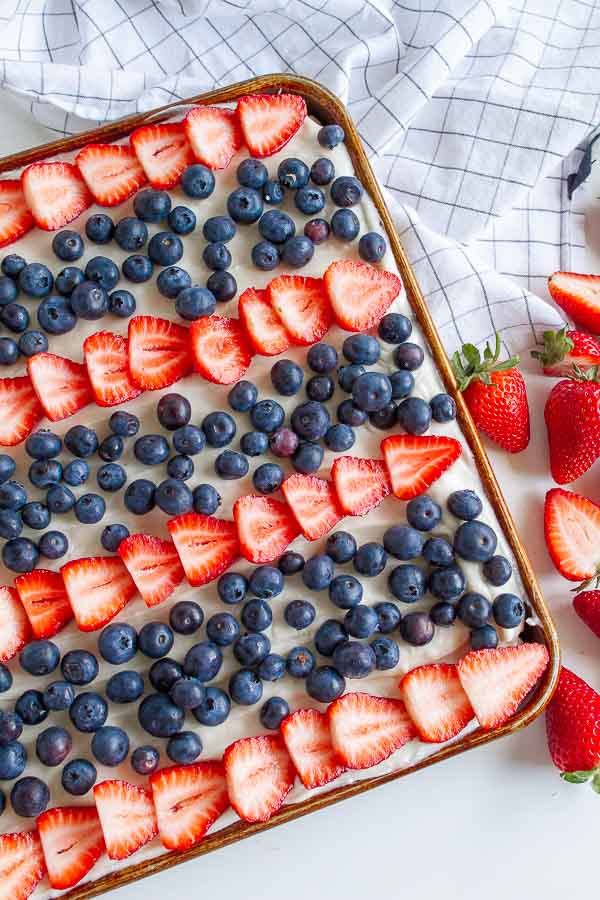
<point>471,111</point>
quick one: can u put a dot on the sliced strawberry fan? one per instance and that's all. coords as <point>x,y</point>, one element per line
<point>265,527</point>
<point>360,484</point>
<point>98,588</point>
<point>45,601</point>
<point>359,294</point>
<point>260,775</point>
<point>307,739</point>
<point>365,730</point>
<point>16,630</point>
<point>269,121</point>
<point>20,410</point>
<point>436,702</point>
<point>22,864</point>
<point>313,502</point>
<point>127,817</point>
<point>214,134</point>
<point>154,566</point>
<point>112,172</point>
<point>206,546</point>
<point>159,352</point>
<point>15,216</point>
<point>107,360</point>
<point>163,152</point>
<point>72,842</point>
<point>63,387</point>
<point>188,800</point>
<point>266,333</point>
<point>301,305</point>
<point>220,349</point>
<point>55,193</point>
<point>415,462</point>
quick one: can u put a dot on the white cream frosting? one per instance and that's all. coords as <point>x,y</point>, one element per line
<point>204,397</point>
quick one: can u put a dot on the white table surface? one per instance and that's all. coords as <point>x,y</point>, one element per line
<point>461,829</point>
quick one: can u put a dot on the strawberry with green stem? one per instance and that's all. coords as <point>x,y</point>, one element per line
<point>572,416</point>
<point>573,730</point>
<point>564,349</point>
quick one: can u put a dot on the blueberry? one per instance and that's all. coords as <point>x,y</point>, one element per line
<point>180,467</point>
<point>90,508</point>
<point>407,583</point>
<point>20,555</point>
<point>206,499</point>
<point>145,760</point>
<point>341,546</point>
<point>12,265</point>
<point>372,247</point>
<point>254,443</point>
<point>325,684</point>
<point>273,192</point>
<point>111,448</point>
<point>245,205</point>
<point>265,256</point>
<point>443,613</point>
<point>78,777</point>
<point>118,643</point>
<point>187,693</point>
<point>103,272</point>
<point>198,181</point>
<point>89,300</point>
<point>318,572</point>
<point>346,191</point>
<point>297,251</point>
<point>43,445</point>
<point>152,206</point>
<point>214,709</point>
<point>268,478</point>
<point>184,748</point>
<point>328,635</point>
<point>125,687</point>
<point>362,349</point>
<point>131,233</point>
<point>53,545</point>
<point>443,408</point>
<point>256,615</point>
<point>310,200</point>
<point>438,551</point>
<point>11,727</point>
<point>283,443</point>
<point>13,759</point>
<point>123,423</point>
<point>347,375</point>
<point>155,639</point>
<point>242,396</point>
<point>251,649</point>
<point>475,541</point>
<point>447,583</point>
<point>110,745</point>
<point>320,388</point>
<point>402,384</point>
<point>58,696</point>
<point>290,563</point>
<point>339,438</point>
<point>266,582</point>
<point>394,328</point>
<point>272,668</point>
<point>11,524</point>
<point>387,653</point>
<point>45,472</point>
<point>67,245</point>
<point>151,449</point>
<point>322,171</point>
<point>474,610</point>
<point>414,415</point>
<point>353,659</point>
<point>192,303</point>
<point>53,745</point>
<point>99,228</point>
<point>245,687</point>
<point>219,428</point>
<point>12,495</point>
<point>39,657</point>
<point>231,465</point>
<point>203,661</point>
<point>361,621</point>
<point>79,667</point>
<point>317,230</point>
<point>15,317</point>
<point>35,280</point>
<point>509,610</point>
<point>310,421</point>
<point>159,716</point>
<point>223,629</point>
<point>165,248</point>
<point>6,680</point>
<point>68,279</point>
<point>29,797</point>
<point>139,498</point>
<point>30,708</point>
<point>182,220</point>
<point>417,628</point>
<point>484,638</point>
<point>497,570</point>
<point>330,136</point>
<point>293,173</point>
<point>388,616</point>
<point>216,256</point>
<point>345,591</point>
<point>81,441</point>
<point>423,513</point>
<point>372,391</point>
<point>189,440</point>
<point>308,457</point>
<point>55,315</point>
<point>9,351</point>
<point>370,559</point>
<point>276,226</point>
<point>172,281</point>
<point>322,358</point>
<point>300,662</point>
<point>7,467</point>
<point>219,228</point>
<point>273,712</point>
<point>299,614</point>
<point>403,542</point>
<point>88,712</point>
<point>164,673</point>
<point>222,286</point>
<point>186,617</point>
<point>465,505</point>
<point>408,356</point>
<point>267,415</point>
<point>252,173</point>
<point>137,268</point>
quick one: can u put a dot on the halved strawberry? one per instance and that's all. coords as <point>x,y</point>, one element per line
<point>306,736</point>
<point>45,601</point>
<point>111,171</point>
<point>265,331</point>
<point>163,151</point>
<point>265,527</point>
<point>302,306</point>
<point>206,545</point>
<point>63,387</point>
<point>72,842</point>
<point>260,775</point>
<point>55,193</point>
<point>188,800</point>
<point>314,504</point>
<point>15,217</point>
<point>20,410</point>
<point>414,462</point>
<point>16,630</point>
<point>220,349</point>
<point>22,864</point>
<point>587,606</point>
<point>159,352</point>
<point>127,817</point>
<point>497,681</point>
<point>107,360</point>
<point>572,532</point>
<point>564,349</point>
<point>359,294</point>
<point>98,588</point>
<point>579,296</point>
<point>436,702</point>
<point>366,730</point>
<point>360,484</point>
<point>269,121</point>
<point>154,566</point>
<point>214,134</point>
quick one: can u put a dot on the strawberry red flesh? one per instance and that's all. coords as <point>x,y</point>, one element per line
<point>55,193</point>
<point>20,410</point>
<point>206,546</point>
<point>265,527</point>
<point>16,630</point>
<point>107,360</point>
<point>15,217</point>
<point>365,730</point>
<point>260,775</point>
<point>436,702</point>
<point>220,349</point>
<point>72,842</point>
<point>111,171</point>
<point>360,484</point>
<point>45,601</point>
<point>159,352</point>
<point>63,387</point>
<point>154,566</point>
<point>302,306</point>
<point>414,462</point>
<point>163,152</point>
<point>127,817</point>
<point>359,294</point>
<point>262,325</point>
<point>188,800</point>
<point>579,296</point>
<point>22,864</point>
<point>214,134</point>
<point>572,532</point>
<point>313,502</point>
<point>306,736</point>
<point>269,121</point>
<point>98,588</point>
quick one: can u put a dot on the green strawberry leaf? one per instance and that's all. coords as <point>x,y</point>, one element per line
<point>595,783</point>
<point>475,367</point>
<point>580,777</point>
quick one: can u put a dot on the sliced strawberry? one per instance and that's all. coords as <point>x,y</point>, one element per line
<point>98,588</point>
<point>127,817</point>
<point>163,151</point>
<point>20,410</point>
<point>269,121</point>
<point>63,387</point>
<point>55,193</point>
<point>415,462</point>
<point>15,217</point>
<point>264,329</point>
<point>107,360</point>
<point>306,736</point>
<point>314,504</point>
<point>72,842</point>
<point>22,864</point>
<point>214,134</point>
<point>366,730</point>
<point>359,294</point>
<point>159,352</point>
<point>188,800</point>
<point>111,171</point>
<point>360,484</point>
<point>265,527</point>
<point>260,775</point>
<point>579,296</point>
<point>16,630</point>
<point>220,349</point>
<point>436,702</point>
<point>45,600</point>
<point>302,306</point>
<point>154,566</point>
<point>497,681</point>
<point>206,546</point>
<point>572,531</point>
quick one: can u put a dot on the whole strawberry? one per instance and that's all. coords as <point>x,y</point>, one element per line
<point>579,296</point>
<point>495,394</point>
<point>587,606</point>
<point>572,415</point>
<point>573,729</point>
<point>564,349</point>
